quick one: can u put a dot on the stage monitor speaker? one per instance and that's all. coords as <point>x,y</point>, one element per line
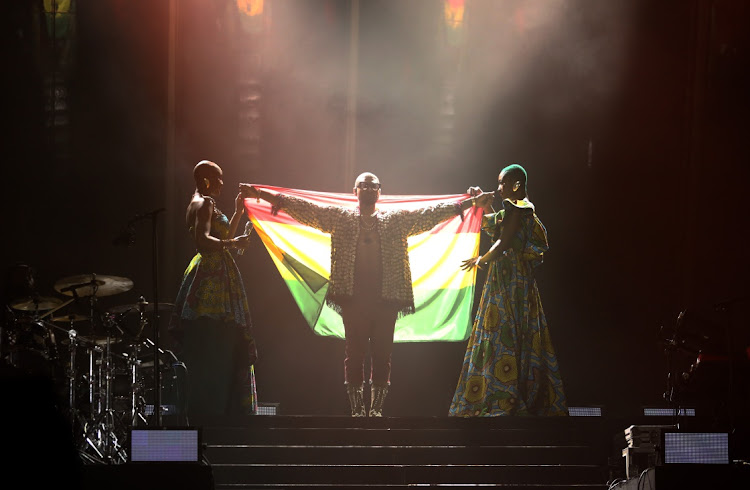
<point>695,447</point>
<point>268,409</point>
<point>162,444</point>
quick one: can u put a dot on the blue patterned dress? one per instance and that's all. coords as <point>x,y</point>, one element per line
<point>212,296</point>
<point>510,367</point>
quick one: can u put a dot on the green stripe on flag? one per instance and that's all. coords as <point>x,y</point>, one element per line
<point>442,315</point>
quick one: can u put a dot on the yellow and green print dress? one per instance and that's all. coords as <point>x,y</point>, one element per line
<point>212,290</point>
<point>510,367</point>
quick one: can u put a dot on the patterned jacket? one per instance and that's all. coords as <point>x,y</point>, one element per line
<point>394,227</point>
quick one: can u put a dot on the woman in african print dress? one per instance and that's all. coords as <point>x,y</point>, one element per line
<point>211,317</point>
<point>510,367</point>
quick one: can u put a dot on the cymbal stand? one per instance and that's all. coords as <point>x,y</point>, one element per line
<point>101,435</point>
<point>94,407</point>
<point>74,413</point>
<point>137,402</point>
<point>71,374</point>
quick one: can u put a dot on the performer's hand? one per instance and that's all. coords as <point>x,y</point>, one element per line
<point>249,190</point>
<point>469,264</point>
<point>239,203</point>
<point>474,191</point>
<point>242,241</point>
<point>484,200</point>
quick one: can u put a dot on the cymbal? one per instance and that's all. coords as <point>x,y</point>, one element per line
<point>135,308</point>
<point>99,339</point>
<point>93,340</point>
<point>93,285</point>
<point>36,303</point>
<point>70,318</point>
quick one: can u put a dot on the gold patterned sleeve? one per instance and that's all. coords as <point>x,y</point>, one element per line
<point>322,218</point>
<point>424,219</point>
<point>490,221</point>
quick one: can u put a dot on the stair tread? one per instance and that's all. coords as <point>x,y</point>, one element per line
<point>343,452</point>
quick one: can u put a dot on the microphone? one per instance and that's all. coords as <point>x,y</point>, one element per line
<point>248,230</point>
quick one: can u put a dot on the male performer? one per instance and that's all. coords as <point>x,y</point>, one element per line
<point>370,284</point>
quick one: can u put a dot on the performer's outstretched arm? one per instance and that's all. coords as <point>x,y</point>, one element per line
<point>322,218</point>
<point>424,219</point>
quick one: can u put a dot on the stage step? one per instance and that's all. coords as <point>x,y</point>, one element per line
<point>266,452</point>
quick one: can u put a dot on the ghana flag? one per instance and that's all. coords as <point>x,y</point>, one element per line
<point>443,293</point>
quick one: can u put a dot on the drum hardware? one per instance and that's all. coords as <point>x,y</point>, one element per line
<point>101,434</point>
<point>106,396</point>
<point>138,312</point>
<point>134,320</point>
<point>137,401</point>
<point>36,303</point>
<point>69,318</point>
<point>29,339</point>
<point>103,431</point>
<point>142,359</point>
<point>73,340</point>
<point>21,291</point>
<point>93,285</point>
<point>172,377</point>
<point>32,347</point>
<point>101,364</point>
<point>56,308</point>
<point>75,415</point>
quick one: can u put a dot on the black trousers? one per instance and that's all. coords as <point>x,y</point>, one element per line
<point>368,324</point>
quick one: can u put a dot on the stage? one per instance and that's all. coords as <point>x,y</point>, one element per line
<point>285,451</point>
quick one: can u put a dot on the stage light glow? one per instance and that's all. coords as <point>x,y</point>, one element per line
<point>58,7</point>
<point>251,8</point>
<point>454,13</point>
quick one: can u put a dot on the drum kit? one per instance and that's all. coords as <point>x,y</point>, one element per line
<point>102,361</point>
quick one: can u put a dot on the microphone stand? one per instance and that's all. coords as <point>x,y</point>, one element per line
<point>153,216</point>
<point>155,278</point>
